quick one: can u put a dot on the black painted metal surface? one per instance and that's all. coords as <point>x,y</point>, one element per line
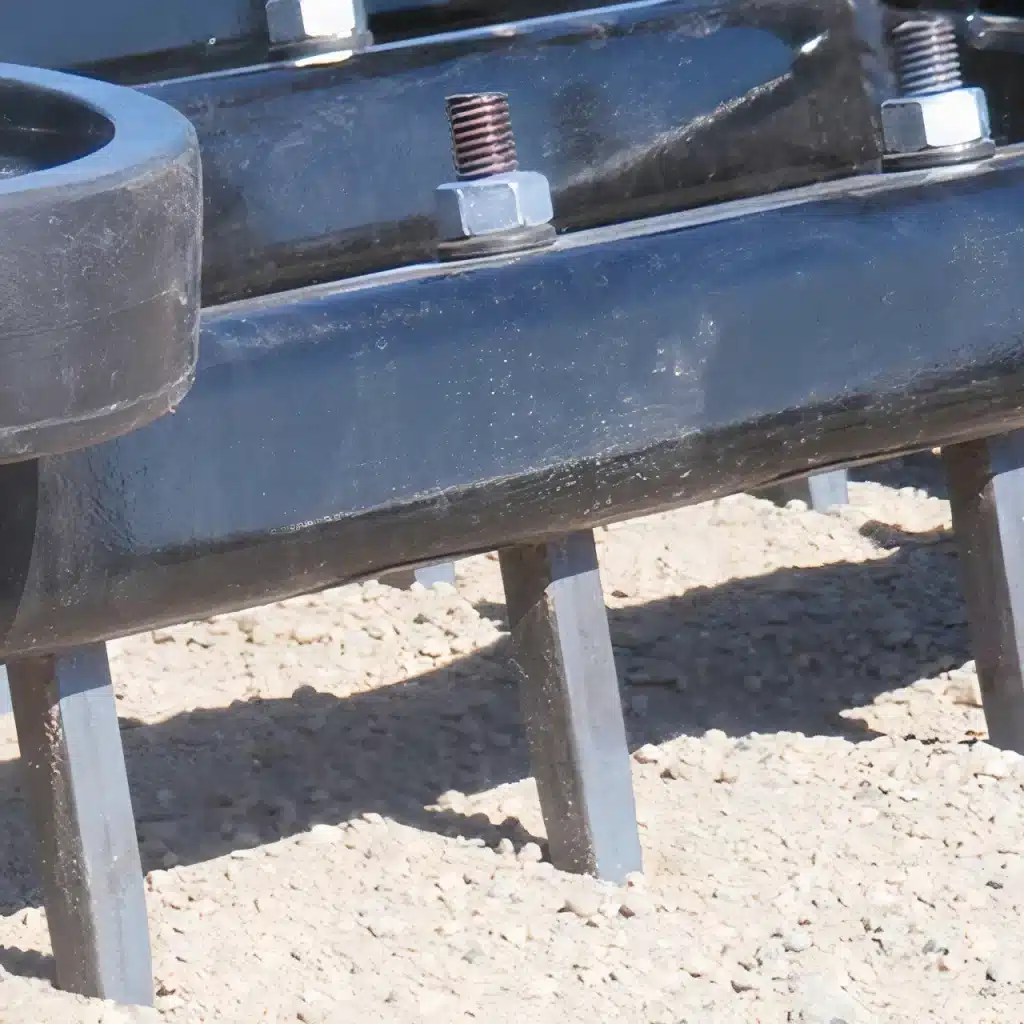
<point>70,745</point>
<point>986,496</point>
<point>124,39</point>
<point>317,173</point>
<point>100,228</point>
<point>428,412</point>
<point>572,708</point>
<point>72,33</point>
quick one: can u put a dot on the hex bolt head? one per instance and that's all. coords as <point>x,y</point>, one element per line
<point>913,123</point>
<point>501,202</point>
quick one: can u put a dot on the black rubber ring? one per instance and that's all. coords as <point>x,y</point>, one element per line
<point>980,149</point>
<point>101,249</point>
<point>497,243</point>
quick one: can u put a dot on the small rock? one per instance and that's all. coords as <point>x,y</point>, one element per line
<point>949,963</point>
<point>450,881</point>
<point>262,635</point>
<point>995,768</point>
<point>322,835</point>
<point>474,951</point>
<point>583,904</point>
<point>451,800</point>
<point>531,853</point>
<point>1003,971</point>
<point>964,690</point>
<point>313,1015</point>
<point>861,972</point>
<point>385,927</point>
<point>246,622</point>
<point>435,647</point>
<point>647,754</point>
<point>746,981</point>
<point>797,942</point>
<point>159,881</point>
<point>822,1000</point>
<point>636,904</point>
<point>308,633</point>
<point>515,934</point>
<point>696,964</point>
<point>677,770</point>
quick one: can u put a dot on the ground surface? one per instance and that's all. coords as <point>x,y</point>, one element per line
<point>336,816</point>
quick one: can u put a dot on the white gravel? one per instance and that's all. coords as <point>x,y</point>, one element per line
<point>338,824</point>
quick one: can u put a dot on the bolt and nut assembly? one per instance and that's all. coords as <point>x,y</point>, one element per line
<point>492,206</point>
<point>937,120</point>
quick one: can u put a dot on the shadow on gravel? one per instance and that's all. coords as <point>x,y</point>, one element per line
<point>787,651</point>
<point>28,963</point>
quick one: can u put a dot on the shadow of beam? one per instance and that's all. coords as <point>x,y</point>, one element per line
<point>786,651</point>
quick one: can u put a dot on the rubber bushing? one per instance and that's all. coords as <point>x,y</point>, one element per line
<point>100,245</point>
<point>946,156</point>
<point>497,243</point>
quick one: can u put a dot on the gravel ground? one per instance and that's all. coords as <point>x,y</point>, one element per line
<point>338,824</point>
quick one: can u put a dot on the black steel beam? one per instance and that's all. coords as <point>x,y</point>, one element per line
<point>314,173</point>
<point>345,430</point>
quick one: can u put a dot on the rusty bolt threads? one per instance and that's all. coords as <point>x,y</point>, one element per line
<point>926,57</point>
<point>482,141</point>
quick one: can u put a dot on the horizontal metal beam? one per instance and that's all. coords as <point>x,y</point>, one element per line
<point>68,33</point>
<point>342,431</point>
<point>680,104</point>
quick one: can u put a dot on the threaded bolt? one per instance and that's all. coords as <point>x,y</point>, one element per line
<point>927,60</point>
<point>482,140</point>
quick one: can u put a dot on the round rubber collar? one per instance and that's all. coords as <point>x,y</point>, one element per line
<point>980,149</point>
<point>497,243</point>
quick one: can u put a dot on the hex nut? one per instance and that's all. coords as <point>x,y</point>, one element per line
<point>501,202</point>
<point>296,21</point>
<point>914,124</point>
